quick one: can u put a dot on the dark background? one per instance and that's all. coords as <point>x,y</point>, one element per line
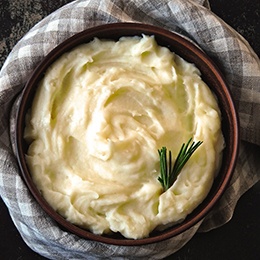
<point>237,240</point>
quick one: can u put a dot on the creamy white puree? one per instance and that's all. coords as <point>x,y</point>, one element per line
<point>100,115</point>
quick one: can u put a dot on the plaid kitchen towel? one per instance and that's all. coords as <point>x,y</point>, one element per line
<point>191,18</point>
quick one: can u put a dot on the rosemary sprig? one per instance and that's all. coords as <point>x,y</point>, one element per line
<point>169,173</point>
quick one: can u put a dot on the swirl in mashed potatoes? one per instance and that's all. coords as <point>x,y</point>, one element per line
<point>98,118</point>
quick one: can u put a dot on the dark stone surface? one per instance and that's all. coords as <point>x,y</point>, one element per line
<point>243,16</point>
<point>237,240</point>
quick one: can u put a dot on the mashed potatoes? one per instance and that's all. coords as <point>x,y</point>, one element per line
<point>100,115</point>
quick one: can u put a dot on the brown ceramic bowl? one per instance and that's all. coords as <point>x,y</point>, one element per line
<point>210,74</point>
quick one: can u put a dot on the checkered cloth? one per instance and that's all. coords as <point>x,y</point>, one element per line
<point>193,19</point>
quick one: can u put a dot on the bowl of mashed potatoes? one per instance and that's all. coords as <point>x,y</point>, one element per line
<point>105,124</point>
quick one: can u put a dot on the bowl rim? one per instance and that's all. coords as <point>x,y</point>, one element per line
<point>72,42</point>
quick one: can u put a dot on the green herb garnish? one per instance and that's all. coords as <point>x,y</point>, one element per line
<point>169,173</point>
